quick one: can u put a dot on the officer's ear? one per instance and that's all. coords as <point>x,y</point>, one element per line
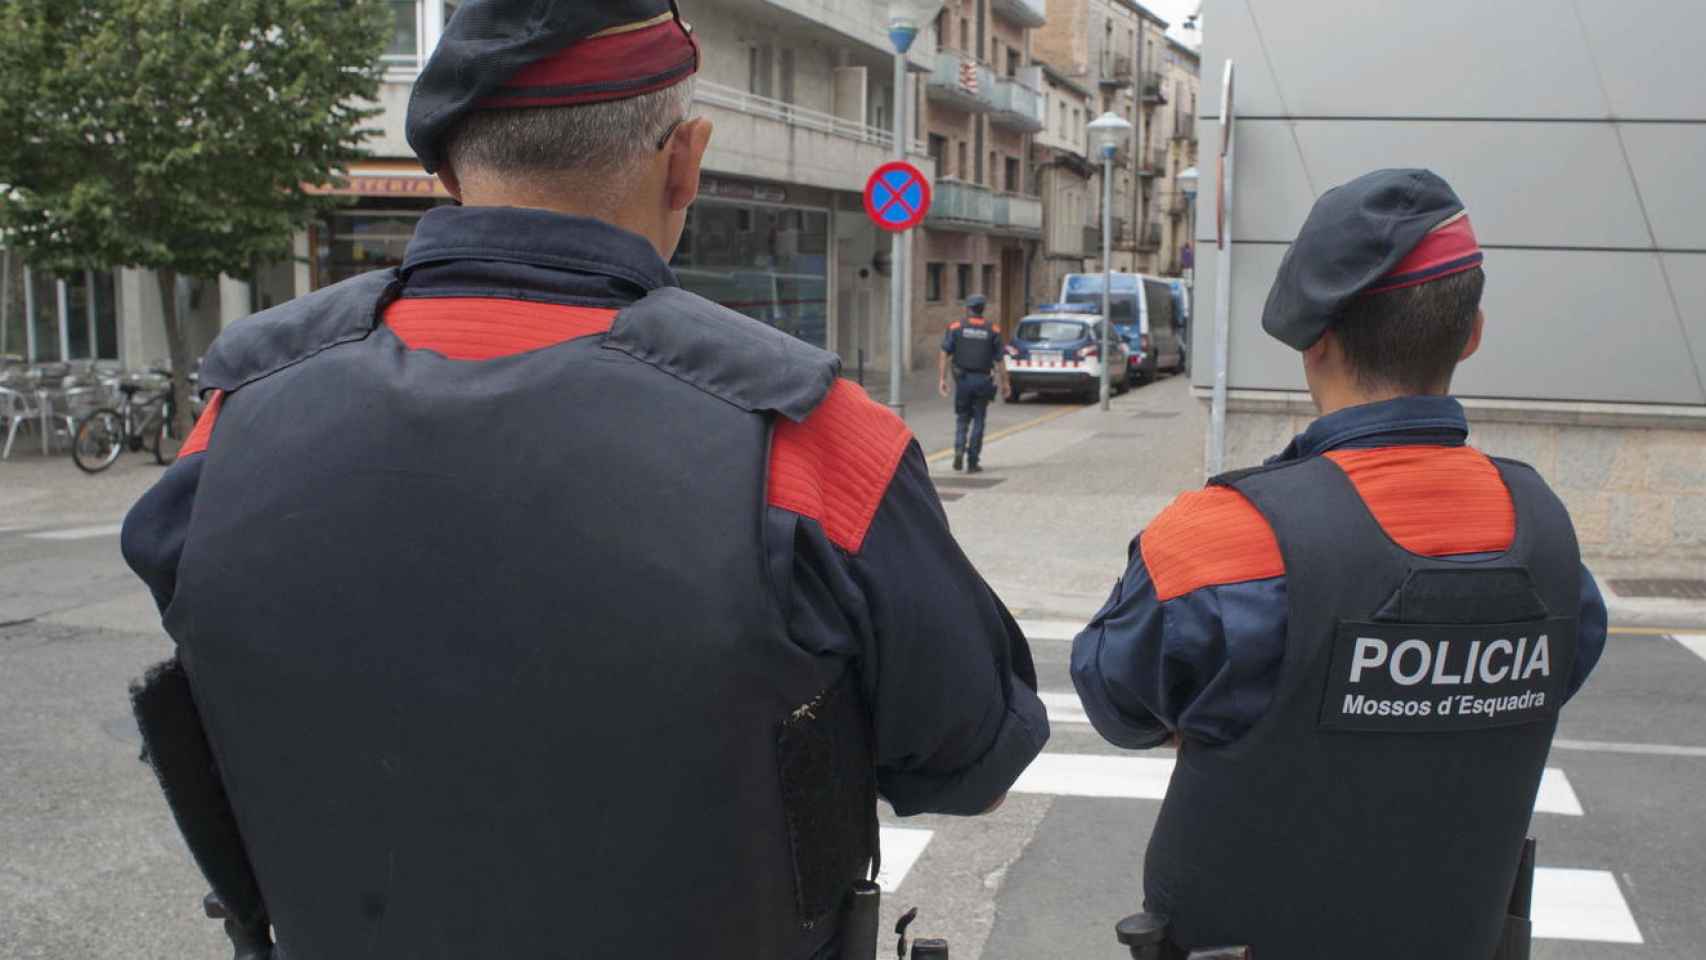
<point>1474,342</point>
<point>686,155</point>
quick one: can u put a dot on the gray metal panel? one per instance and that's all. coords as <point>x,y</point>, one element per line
<point>1561,325</point>
<point>1442,58</point>
<point>1528,184</point>
<point>1272,195</point>
<point>1668,160</point>
<point>1688,278</point>
<point>1648,53</point>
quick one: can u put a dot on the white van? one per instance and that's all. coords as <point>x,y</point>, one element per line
<point>1148,323</point>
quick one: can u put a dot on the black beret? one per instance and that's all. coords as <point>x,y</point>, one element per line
<point>498,54</point>
<point>1383,230</point>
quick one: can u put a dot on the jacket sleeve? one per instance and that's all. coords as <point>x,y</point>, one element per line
<point>153,536</point>
<point>953,684</point>
<point>1192,637</point>
<point>1591,629</point>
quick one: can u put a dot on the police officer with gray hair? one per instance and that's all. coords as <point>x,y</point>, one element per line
<point>1361,647</point>
<point>974,349</point>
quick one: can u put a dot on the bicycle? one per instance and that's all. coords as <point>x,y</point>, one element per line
<point>134,425</point>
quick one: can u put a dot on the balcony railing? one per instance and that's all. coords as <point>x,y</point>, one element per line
<point>1116,70</point>
<point>1154,91</point>
<point>962,81</point>
<point>957,203</point>
<point>1017,213</point>
<point>1025,13</point>
<point>729,98</point>
<point>1018,104</point>
<point>1150,237</point>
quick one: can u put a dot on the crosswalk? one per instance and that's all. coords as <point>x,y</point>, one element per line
<point>1571,903</point>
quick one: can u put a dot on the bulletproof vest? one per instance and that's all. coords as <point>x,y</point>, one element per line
<point>974,347</point>
<point>488,653</point>
<point>1378,808</point>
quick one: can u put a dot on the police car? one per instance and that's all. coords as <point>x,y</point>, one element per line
<point>1059,349</point>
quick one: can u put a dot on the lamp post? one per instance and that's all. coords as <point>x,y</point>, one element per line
<point>1107,132</point>
<point>1187,180</point>
<point>906,19</point>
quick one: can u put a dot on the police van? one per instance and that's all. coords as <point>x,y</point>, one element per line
<point>1144,316</point>
<point>1059,349</point>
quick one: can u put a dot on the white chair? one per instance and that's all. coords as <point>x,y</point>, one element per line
<point>15,411</point>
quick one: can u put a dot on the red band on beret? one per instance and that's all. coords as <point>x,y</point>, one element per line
<point>612,65</point>
<point>1449,248</point>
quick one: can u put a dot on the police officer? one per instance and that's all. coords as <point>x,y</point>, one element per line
<point>533,606</point>
<point>1362,646</point>
<point>973,345</point>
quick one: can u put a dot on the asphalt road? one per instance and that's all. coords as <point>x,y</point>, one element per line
<point>91,866</point>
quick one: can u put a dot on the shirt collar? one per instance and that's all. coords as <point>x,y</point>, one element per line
<point>537,238</point>
<point>1437,421</point>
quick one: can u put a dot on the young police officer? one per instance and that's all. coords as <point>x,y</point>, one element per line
<point>536,607</point>
<point>973,345</point>
<point>1361,648</point>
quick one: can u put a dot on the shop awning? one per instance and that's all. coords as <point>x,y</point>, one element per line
<point>383,178</point>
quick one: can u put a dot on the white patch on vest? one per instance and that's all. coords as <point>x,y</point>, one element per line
<point>1414,661</point>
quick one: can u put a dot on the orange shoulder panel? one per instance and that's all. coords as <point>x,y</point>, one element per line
<point>1431,500</point>
<point>198,439</point>
<point>954,326</point>
<point>1208,538</point>
<point>484,328</point>
<point>835,466</point>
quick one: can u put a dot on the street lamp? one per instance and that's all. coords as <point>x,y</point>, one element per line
<point>906,19</point>
<point>1187,180</point>
<point>1107,132</point>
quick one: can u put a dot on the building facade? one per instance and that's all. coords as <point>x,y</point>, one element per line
<point>1594,358</point>
<point>1173,129</point>
<point>983,104</point>
<point>1068,183</point>
<point>800,92</point>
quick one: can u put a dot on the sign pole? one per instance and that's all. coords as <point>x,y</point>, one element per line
<point>1216,460</point>
<point>899,302</point>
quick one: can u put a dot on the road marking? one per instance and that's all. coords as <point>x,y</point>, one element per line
<point>1641,749</point>
<point>1693,641</point>
<point>1063,707</point>
<point>1581,905</point>
<point>901,849</point>
<point>1556,795</point>
<point>79,533</point>
<point>1093,775</point>
<point>1009,431</point>
<point>1050,629</point>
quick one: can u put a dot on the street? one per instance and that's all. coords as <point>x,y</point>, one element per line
<point>93,866</point>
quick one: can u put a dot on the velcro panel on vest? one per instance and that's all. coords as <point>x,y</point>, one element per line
<point>829,796</point>
<point>733,357</point>
<point>291,332</point>
<point>836,465</point>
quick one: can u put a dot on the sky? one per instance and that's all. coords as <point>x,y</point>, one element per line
<point>1175,12</point>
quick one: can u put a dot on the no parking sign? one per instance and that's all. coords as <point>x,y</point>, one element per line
<point>897,196</point>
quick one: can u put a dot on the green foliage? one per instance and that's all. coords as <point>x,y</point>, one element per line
<point>176,135</point>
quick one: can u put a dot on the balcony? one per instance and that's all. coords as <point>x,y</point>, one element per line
<point>1018,104</point>
<point>1116,70</point>
<point>1025,13</point>
<point>1017,214</point>
<point>958,205</point>
<point>1153,89</point>
<point>1123,238</point>
<point>960,80</point>
<point>1151,163</point>
<point>1092,241</point>
<point>773,140</point>
<point>1150,237</point>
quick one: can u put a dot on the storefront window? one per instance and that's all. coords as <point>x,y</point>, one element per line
<point>770,263</point>
<point>46,318</point>
<point>352,242</point>
<point>12,315</point>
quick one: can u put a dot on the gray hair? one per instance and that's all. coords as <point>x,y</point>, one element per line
<point>601,139</point>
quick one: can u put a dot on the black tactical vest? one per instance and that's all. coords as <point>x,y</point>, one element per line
<point>974,347</point>
<point>487,651</point>
<point>1378,809</point>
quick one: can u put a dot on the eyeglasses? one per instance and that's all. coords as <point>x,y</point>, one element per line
<point>663,141</point>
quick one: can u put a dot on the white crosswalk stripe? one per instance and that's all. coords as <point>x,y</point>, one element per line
<point>1581,905</point>
<point>1695,642</point>
<point>79,533</point>
<point>902,846</point>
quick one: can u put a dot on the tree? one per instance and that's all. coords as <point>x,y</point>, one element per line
<point>177,135</point>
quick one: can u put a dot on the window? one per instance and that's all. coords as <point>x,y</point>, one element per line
<point>963,281</point>
<point>939,150</point>
<point>1015,60</point>
<point>933,282</point>
<point>766,262</point>
<point>963,171</point>
<point>759,70</point>
<point>994,166</point>
<point>404,45</point>
<point>49,317</point>
<point>989,280</point>
<point>786,92</point>
<point>1013,178</point>
<point>965,35</point>
<point>1063,119</point>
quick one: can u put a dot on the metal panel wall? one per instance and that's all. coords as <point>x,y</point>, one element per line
<point>1574,132</point>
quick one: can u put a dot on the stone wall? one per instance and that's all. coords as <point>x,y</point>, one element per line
<point>1633,478</point>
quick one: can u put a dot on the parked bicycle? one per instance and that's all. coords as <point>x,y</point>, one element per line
<point>141,421</point>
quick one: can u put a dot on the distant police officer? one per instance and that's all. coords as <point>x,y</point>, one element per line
<point>535,607</point>
<point>973,347</point>
<point>1361,647</point>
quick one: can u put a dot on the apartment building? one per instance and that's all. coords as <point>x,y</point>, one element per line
<point>1068,182</point>
<point>1173,128</point>
<point>801,95</point>
<point>1113,47</point>
<point>983,104</point>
